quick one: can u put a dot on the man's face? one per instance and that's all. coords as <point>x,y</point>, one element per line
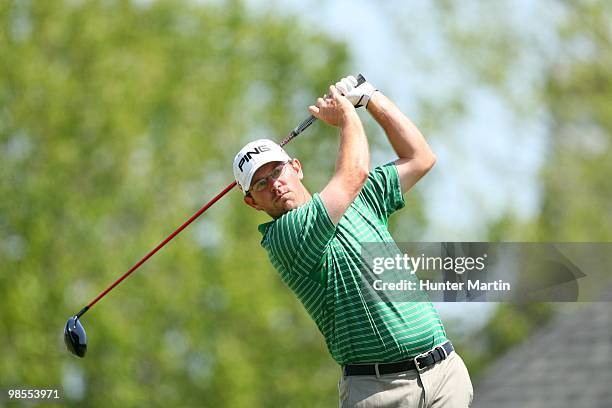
<point>282,193</point>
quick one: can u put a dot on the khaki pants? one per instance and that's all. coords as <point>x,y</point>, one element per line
<point>444,385</point>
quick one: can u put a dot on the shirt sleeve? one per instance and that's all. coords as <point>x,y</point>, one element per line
<point>296,242</point>
<point>382,191</point>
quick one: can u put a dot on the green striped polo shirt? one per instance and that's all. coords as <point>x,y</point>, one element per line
<point>323,265</point>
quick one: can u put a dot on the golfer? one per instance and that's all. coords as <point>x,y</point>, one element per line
<point>392,354</point>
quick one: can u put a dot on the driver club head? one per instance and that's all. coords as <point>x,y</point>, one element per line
<point>75,337</point>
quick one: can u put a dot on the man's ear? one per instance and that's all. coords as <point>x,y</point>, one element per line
<point>297,166</point>
<point>250,201</point>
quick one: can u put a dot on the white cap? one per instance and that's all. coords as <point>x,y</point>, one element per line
<point>253,156</point>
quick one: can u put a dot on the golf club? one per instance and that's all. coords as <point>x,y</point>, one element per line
<point>74,333</point>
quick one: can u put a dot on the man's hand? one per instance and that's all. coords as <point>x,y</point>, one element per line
<point>332,108</point>
<point>358,95</point>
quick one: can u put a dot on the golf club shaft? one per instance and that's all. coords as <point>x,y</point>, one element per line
<point>158,247</point>
<point>298,129</point>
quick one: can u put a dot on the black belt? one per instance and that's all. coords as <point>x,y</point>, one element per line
<point>419,363</point>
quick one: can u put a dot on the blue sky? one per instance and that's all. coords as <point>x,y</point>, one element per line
<point>488,161</point>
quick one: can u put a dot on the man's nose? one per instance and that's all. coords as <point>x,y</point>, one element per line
<point>275,183</point>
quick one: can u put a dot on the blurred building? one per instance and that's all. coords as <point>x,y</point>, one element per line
<point>568,363</point>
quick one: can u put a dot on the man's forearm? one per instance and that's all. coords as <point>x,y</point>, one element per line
<point>405,138</point>
<point>352,166</point>
<point>353,159</point>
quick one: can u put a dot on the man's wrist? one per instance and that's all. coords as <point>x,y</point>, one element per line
<point>374,99</point>
<point>346,114</point>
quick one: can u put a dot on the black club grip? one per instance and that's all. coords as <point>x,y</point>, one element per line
<point>311,119</point>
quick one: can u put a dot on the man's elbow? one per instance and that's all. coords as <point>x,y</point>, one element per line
<point>362,175</point>
<point>431,161</point>
<point>351,180</point>
<point>426,163</point>
<point>359,176</point>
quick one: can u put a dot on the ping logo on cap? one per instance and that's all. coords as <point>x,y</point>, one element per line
<point>247,156</point>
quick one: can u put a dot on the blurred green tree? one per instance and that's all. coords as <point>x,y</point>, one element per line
<point>118,119</point>
<point>573,92</point>
<point>578,91</point>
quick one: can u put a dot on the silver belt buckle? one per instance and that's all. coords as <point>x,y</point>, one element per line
<point>416,361</point>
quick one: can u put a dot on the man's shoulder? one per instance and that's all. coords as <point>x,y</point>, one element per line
<point>310,216</point>
<point>379,179</point>
<point>383,172</point>
<point>284,220</point>
<point>263,228</point>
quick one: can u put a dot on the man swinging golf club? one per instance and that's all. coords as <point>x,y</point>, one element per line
<point>393,354</point>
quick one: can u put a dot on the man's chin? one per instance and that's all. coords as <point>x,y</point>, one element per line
<point>284,206</point>
<point>288,205</point>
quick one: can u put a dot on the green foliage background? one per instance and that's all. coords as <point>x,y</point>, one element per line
<point>118,119</point>
<point>573,93</point>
